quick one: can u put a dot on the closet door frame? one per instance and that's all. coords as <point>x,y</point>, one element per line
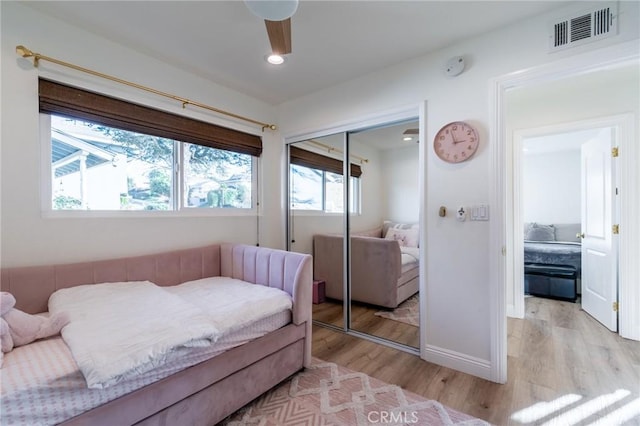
<point>358,124</point>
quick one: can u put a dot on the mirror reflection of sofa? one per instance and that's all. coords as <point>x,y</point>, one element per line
<point>384,264</point>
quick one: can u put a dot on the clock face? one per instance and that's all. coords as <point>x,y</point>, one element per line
<point>456,142</point>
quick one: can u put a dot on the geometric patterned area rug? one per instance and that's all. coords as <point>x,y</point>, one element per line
<point>328,394</point>
<point>407,312</point>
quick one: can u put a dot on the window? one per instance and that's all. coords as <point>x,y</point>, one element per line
<point>109,155</point>
<point>307,188</point>
<point>216,178</point>
<point>334,193</point>
<point>317,183</point>
<point>96,167</point>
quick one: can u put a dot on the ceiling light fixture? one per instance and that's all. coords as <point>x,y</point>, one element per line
<point>272,10</point>
<point>274,59</point>
<point>407,138</point>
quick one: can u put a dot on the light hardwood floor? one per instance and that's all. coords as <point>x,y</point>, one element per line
<point>557,354</point>
<point>363,319</point>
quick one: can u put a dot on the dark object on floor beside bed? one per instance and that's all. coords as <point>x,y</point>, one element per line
<point>552,281</point>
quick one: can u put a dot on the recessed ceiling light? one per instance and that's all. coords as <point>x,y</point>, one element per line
<point>407,138</point>
<point>274,59</point>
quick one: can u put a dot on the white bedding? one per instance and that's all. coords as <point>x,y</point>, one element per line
<point>119,330</point>
<point>230,303</point>
<point>42,386</point>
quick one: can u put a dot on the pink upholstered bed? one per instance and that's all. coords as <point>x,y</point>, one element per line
<point>209,389</point>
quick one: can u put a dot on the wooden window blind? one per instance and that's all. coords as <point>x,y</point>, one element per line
<point>302,157</point>
<point>60,99</point>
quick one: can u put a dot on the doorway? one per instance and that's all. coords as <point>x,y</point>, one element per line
<point>551,105</point>
<point>565,203</point>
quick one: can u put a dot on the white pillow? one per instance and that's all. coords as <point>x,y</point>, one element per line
<point>404,237</point>
<point>388,224</point>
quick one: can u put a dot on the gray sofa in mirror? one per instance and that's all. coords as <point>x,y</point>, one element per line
<point>381,274</point>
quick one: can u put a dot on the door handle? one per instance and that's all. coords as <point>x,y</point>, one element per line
<point>580,235</point>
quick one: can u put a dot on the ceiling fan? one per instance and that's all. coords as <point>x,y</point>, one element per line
<point>277,18</point>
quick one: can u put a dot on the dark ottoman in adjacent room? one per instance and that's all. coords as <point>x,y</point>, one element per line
<point>553,281</point>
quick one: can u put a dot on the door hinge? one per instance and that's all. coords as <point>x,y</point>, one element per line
<point>615,229</point>
<point>614,152</point>
<point>615,306</point>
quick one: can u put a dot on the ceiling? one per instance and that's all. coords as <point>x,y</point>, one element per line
<point>333,41</point>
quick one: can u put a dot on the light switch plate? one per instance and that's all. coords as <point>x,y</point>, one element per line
<point>479,212</point>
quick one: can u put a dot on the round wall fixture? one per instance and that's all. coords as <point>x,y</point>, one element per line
<point>454,66</point>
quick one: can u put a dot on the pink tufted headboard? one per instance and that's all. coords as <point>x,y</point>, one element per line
<point>32,285</point>
<point>288,271</point>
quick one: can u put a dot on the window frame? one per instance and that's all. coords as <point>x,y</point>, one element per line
<point>177,206</point>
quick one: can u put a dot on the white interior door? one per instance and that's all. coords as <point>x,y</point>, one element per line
<point>599,256</point>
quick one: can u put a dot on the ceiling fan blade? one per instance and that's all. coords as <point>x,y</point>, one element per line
<point>411,132</point>
<point>279,36</point>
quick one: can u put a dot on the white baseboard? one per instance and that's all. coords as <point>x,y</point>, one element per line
<point>514,311</point>
<point>458,361</point>
<point>511,311</point>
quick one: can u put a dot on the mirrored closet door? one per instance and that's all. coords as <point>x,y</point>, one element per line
<point>363,184</point>
<point>384,253</point>
<point>315,219</point>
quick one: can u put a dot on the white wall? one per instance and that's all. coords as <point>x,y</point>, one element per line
<point>400,184</point>
<point>27,237</point>
<point>457,265</point>
<point>551,187</point>
<point>597,94</point>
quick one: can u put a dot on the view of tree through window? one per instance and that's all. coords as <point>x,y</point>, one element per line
<point>216,178</point>
<point>96,167</point>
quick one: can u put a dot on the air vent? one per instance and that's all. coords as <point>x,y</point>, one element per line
<point>585,27</point>
<point>561,34</point>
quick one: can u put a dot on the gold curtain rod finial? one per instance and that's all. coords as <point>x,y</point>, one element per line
<point>24,52</point>
<point>27,53</point>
